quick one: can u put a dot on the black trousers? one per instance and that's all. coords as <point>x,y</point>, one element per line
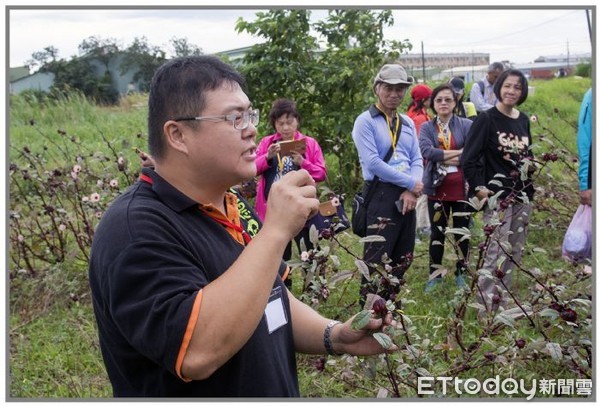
<point>446,209</point>
<point>397,229</point>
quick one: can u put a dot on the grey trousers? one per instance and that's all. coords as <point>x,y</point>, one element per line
<point>509,237</point>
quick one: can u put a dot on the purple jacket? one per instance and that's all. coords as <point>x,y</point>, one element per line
<point>313,162</point>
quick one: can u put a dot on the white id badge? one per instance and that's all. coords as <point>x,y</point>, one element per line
<point>451,168</point>
<point>274,312</point>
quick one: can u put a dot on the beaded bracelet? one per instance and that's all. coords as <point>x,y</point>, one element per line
<point>327,337</point>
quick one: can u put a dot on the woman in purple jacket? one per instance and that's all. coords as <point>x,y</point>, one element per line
<point>271,165</point>
<point>441,142</point>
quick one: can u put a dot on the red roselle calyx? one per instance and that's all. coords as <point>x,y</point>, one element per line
<point>379,307</point>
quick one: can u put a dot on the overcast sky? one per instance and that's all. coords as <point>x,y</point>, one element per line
<point>518,35</point>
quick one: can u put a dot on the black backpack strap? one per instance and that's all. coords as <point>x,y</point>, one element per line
<point>481,87</point>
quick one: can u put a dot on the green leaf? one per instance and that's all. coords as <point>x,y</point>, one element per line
<point>485,273</point>
<point>361,320</point>
<point>500,318</point>
<point>584,302</point>
<point>370,367</point>
<point>477,306</point>
<point>412,351</point>
<point>475,203</point>
<point>553,314</point>
<point>313,234</point>
<point>458,231</point>
<point>406,319</point>
<point>493,200</point>
<point>422,372</point>
<point>363,268</point>
<point>384,340</point>
<point>506,245</point>
<point>438,272</point>
<point>554,350</point>
<point>372,238</point>
<point>500,261</point>
<point>335,261</point>
<point>340,276</point>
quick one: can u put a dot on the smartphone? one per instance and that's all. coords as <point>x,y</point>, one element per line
<point>399,205</point>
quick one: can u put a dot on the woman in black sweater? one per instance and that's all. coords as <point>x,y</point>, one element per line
<point>497,163</point>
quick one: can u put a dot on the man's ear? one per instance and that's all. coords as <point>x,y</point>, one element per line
<point>375,89</point>
<point>174,136</point>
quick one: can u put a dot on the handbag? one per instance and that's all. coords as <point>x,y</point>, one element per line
<point>577,243</point>
<point>360,203</point>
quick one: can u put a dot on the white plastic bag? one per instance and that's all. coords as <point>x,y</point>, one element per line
<point>577,244</point>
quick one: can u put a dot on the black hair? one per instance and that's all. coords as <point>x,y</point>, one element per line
<point>283,107</point>
<point>178,90</point>
<point>522,80</point>
<point>496,66</point>
<point>443,86</point>
<point>417,105</point>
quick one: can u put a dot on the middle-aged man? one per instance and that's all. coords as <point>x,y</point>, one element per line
<point>377,131</point>
<point>188,294</point>
<point>482,92</point>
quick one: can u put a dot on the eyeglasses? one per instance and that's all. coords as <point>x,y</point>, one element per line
<point>240,121</point>
<point>447,100</point>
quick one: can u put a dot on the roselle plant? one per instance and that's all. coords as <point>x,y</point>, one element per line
<point>542,320</point>
<point>60,187</point>
<point>57,197</point>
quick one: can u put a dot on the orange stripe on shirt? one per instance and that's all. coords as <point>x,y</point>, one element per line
<point>286,273</point>
<point>233,215</point>
<point>187,337</point>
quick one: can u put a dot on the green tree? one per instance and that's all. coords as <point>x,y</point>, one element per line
<point>75,74</point>
<point>182,47</point>
<point>102,49</point>
<point>584,69</point>
<point>40,59</point>
<point>284,64</point>
<point>145,58</point>
<point>331,84</point>
<point>355,50</point>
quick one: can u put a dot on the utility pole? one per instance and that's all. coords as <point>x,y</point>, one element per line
<point>568,56</point>
<point>423,62</point>
<point>472,66</point>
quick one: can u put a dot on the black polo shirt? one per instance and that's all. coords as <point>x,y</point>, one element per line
<point>152,253</point>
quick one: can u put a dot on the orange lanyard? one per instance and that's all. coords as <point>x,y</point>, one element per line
<point>228,224</point>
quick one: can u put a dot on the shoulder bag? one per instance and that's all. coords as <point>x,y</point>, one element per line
<point>360,203</point>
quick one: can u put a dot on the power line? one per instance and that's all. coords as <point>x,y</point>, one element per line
<point>524,29</point>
